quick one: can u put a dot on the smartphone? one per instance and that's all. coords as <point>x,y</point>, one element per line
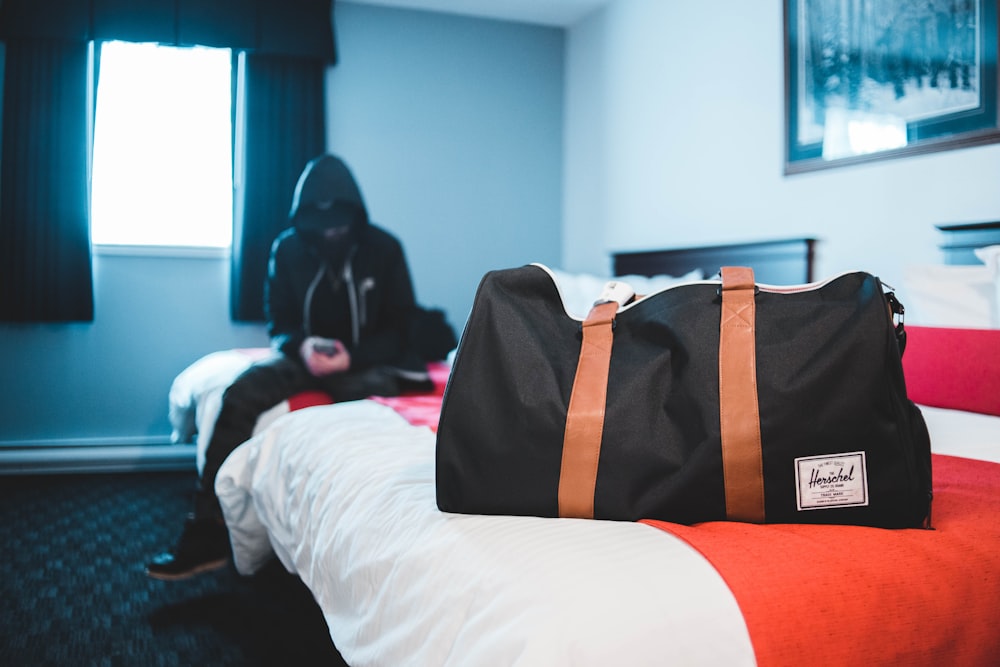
<point>329,348</point>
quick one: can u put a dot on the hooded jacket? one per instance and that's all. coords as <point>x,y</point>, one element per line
<point>334,274</point>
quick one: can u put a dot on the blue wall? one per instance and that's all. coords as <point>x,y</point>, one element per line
<point>454,129</point>
<point>675,133</point>
<point>106,382</point>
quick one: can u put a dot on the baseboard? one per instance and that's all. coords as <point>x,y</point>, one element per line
<point>78,458</point>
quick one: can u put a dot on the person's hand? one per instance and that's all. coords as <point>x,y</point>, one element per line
<point>324,356</point>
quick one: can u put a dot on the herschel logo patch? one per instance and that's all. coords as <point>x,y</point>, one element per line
<point>833,480</point>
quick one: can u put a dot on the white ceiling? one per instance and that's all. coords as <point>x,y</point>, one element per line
<point>560,13</point>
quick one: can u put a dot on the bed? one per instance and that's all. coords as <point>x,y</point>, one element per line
<point>343,495</point>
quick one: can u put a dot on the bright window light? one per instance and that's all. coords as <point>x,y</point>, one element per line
<point>162,171</point>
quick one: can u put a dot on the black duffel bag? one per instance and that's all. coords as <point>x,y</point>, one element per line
<point>715,400</point>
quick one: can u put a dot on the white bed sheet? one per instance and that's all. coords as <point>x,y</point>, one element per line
<point>344,496</point>
<point>959,433</point>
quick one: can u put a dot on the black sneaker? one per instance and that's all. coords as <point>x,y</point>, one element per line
<point>202,547</point>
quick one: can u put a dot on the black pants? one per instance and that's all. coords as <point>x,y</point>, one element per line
<point>259,388</point>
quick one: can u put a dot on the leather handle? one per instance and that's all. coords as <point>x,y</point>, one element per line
<point>585,415</point>
<point>742,459</point>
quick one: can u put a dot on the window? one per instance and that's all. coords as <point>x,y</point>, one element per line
<point>162,163</point>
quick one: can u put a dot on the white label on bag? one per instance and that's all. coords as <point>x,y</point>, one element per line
<point>834,480</point>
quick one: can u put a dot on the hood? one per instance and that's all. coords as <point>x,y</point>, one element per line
<point>327,207</point>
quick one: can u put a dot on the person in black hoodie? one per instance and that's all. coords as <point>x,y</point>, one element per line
<point>339,304</point>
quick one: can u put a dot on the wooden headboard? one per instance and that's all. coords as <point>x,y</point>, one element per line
<point>961,240</point>
<point>783,262</point>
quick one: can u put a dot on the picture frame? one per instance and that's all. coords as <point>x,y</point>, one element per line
<point>870,80</point>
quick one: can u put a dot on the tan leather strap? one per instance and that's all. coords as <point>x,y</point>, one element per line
<point>585,415</point>
<point>742,461</point>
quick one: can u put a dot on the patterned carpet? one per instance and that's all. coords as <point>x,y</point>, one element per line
<point>73,590</point>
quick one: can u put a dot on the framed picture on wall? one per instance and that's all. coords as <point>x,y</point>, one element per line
<point>878,79</point>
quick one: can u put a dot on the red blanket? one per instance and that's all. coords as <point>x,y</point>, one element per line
<point>865,596</point>
<point>419,408</point>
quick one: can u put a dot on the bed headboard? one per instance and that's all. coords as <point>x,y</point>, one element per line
<point>782,262</point>
<point>961,240</point>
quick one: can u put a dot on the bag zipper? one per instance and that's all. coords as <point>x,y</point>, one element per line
<point>761,287</point>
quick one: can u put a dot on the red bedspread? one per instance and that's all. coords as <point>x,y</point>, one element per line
<point>865,596</point>
<point>419,408</point>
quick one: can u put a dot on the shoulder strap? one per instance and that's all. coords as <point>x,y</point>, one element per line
<point>585,415</point>
<point>742,460</point>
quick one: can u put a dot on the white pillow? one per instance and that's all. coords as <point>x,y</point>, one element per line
<point>644,285</point>
<point>990,256</point>
<point>959,296</point>
<point>580,290</point>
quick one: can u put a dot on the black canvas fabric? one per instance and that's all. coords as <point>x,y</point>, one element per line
<point>829,382</point>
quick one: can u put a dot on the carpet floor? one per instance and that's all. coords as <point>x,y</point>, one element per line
<point>73,590</point>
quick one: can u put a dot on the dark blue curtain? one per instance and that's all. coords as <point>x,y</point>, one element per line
<point>45,262</point>
<point>285,128</point>
<point>300,28</point>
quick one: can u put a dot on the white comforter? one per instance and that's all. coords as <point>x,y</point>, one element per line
<point>344,495</point>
